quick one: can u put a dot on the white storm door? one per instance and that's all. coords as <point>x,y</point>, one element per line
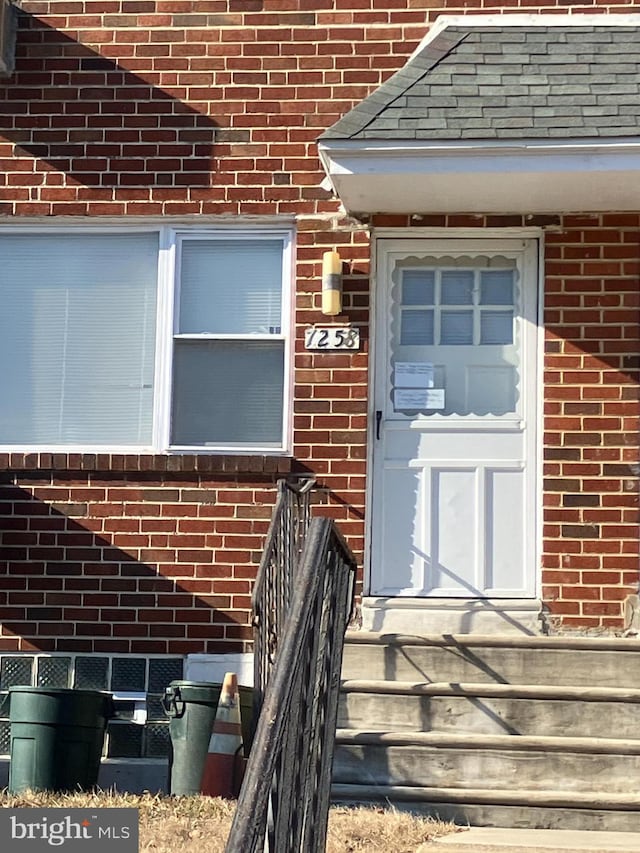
<point>454,434</point>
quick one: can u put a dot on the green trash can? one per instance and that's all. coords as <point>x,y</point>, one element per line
<point>191,707</point>
<point>57,736</point>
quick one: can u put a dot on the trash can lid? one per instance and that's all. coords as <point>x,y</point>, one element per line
<point>17,688</point>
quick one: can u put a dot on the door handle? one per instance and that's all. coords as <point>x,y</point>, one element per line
<point>378,422</point>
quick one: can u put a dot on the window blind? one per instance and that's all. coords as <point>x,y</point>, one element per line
<point>77,338</point>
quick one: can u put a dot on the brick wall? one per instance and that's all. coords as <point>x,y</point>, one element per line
<point>168,108</point>
<point>592,423</point>
<point>119,559</point>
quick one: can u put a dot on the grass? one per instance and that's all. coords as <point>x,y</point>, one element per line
<point>201,824</point>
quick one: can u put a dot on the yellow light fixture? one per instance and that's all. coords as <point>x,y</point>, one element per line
<point>331,284</point>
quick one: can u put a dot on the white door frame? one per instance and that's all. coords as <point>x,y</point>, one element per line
<point>378,298</point>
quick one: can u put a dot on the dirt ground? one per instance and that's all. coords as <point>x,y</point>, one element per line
<point>201,824</point>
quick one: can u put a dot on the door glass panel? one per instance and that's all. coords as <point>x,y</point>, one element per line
<point>496,327</point>
<point>496,287</point>
<point>456,328</point>
<point>418,287</point>
<point>458,321</point>
<point>456,287</point>
<point>416,328</point>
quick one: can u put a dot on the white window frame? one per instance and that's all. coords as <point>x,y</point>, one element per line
<point>170,237</point>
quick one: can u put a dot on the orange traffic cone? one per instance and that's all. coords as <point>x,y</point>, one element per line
<point>224,765</point>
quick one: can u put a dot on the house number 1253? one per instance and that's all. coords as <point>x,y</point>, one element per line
<point>332,337</point>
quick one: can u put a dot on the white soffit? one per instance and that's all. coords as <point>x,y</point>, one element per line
<point>531,177</point>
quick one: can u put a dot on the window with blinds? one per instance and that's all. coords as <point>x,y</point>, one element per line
<point>228,356</point>
<point>144,340</point>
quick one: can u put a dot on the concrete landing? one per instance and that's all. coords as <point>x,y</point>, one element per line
<point>495,840</point>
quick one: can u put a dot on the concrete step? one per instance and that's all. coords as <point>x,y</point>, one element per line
<point>593,811</point>
<point>492,840</point>
<point>517,731</point>
<point>577,661</point>
<point>494,762</point>
<point>489,708</point>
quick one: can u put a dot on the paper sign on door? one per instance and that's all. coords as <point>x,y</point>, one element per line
<point>413,374</point>
<point>418,398</point>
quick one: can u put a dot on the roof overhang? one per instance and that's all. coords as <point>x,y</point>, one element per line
<point>523,176</point>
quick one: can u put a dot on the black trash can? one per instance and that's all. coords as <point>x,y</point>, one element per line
<point>57,735</point>
<point>191,707</point>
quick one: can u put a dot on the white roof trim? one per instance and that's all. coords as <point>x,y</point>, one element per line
<point>403,148</point>
<point>521,176</point>
<point>526,19</point>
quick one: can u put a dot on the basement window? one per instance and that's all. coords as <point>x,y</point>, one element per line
<point>150,339</point>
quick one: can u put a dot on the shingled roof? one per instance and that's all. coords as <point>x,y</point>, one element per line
<point>499,83</point>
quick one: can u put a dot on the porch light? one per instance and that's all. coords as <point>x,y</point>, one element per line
<point>331,284</point>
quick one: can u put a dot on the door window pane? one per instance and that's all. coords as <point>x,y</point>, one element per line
<point>496,287</point>
<point>231,287</point>
<point>227,392</point>
<point>457,287</point>
<point>77,338</point>
<point>456,328</point>
<point>496,327</point>
<point>418,287</point>
<point>416,328</point>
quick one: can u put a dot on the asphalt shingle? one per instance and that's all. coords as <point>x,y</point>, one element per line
<point>559,81</point>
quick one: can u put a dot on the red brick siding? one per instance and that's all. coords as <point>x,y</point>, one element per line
<point>152,108</point>
<point>592,417</point>
<point>116,562</point>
